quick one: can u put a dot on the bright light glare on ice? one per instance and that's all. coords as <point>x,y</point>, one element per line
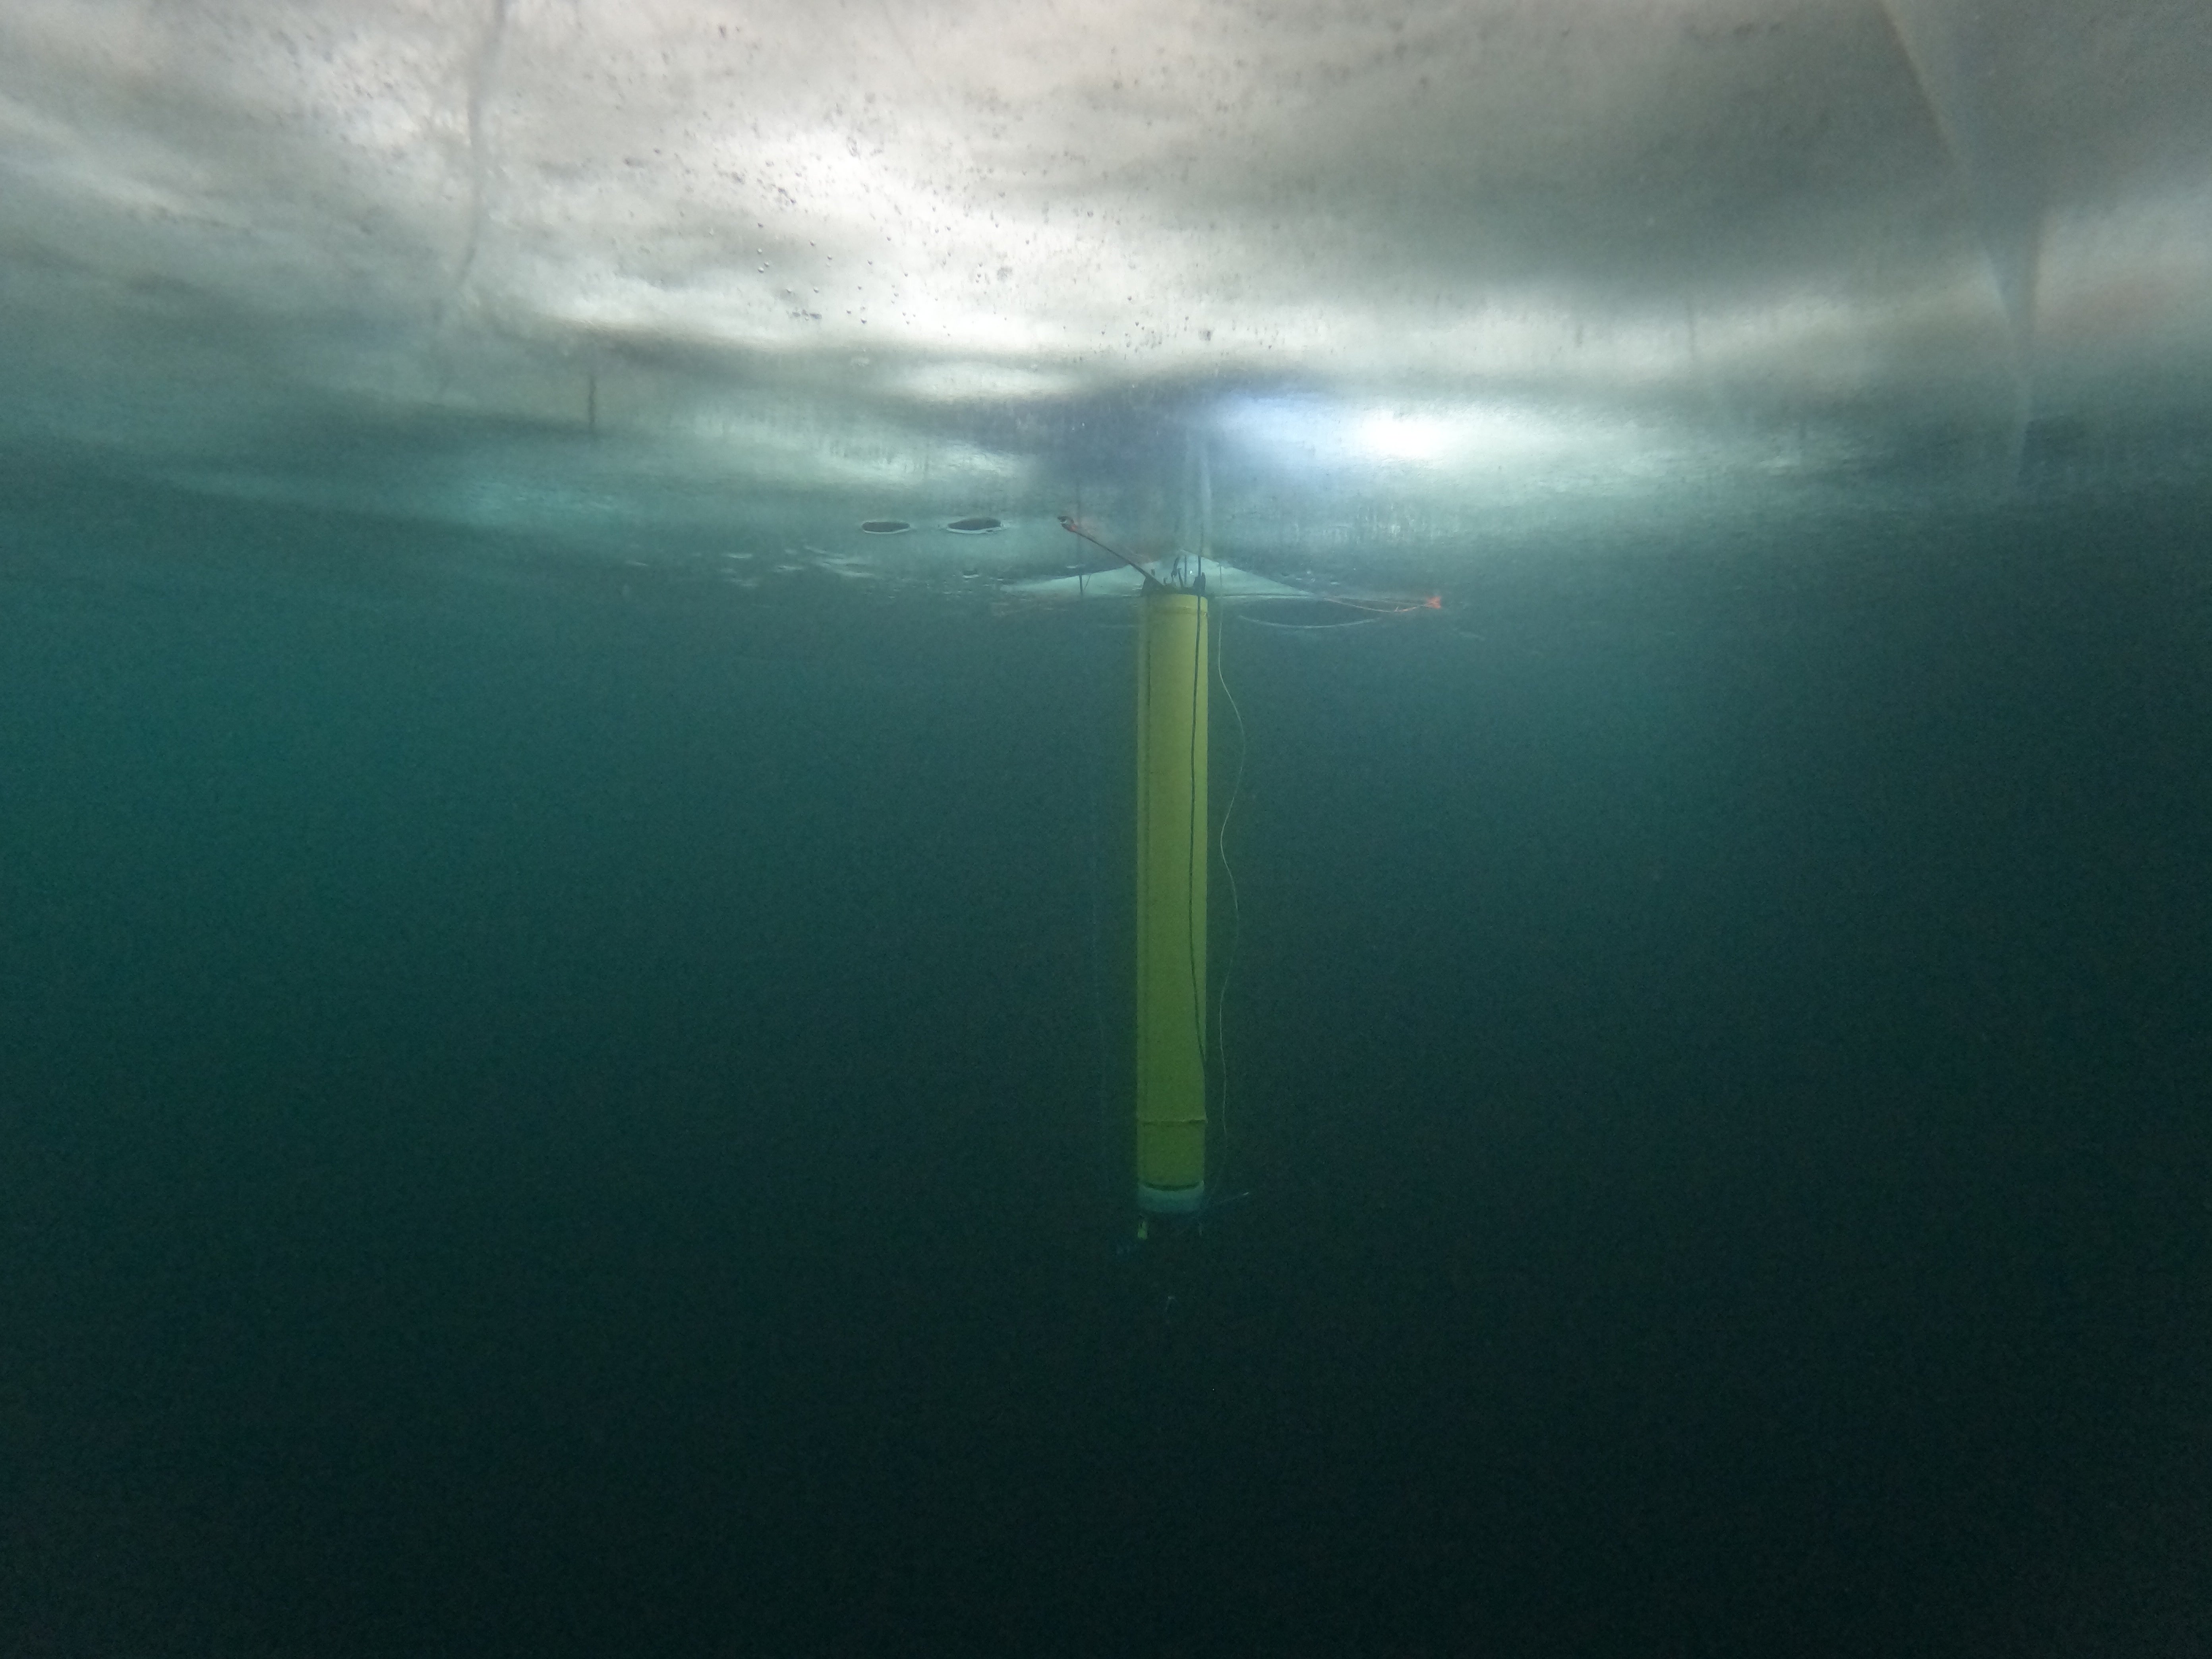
<point>1396,437</point>
<point>1470,437</point>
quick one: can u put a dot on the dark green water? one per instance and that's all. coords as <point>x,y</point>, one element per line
<point>550,1111</point>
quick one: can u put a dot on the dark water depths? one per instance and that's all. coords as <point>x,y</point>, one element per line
<point>553,1111</point>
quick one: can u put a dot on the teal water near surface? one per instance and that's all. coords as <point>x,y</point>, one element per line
<point>558,1106</point>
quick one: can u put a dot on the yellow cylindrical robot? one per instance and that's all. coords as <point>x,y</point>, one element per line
<point>1171,866</point>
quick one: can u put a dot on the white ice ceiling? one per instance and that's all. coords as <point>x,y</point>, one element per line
<point>889,255</point>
